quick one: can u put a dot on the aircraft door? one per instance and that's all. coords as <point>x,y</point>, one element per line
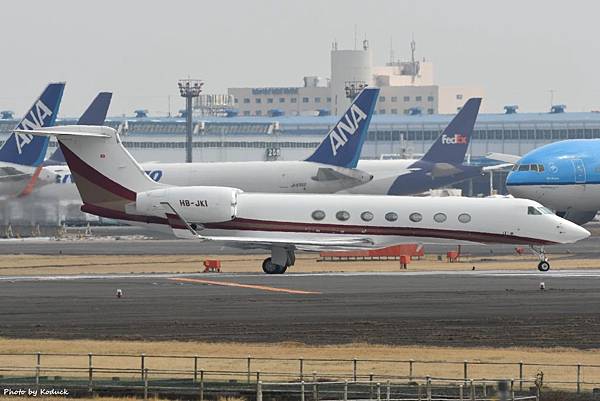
<point>579,171</point>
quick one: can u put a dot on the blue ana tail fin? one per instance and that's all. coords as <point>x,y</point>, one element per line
<point>451,146</point>
<point>27,149</point>
<point>95,114</point>
<point>343,144</point>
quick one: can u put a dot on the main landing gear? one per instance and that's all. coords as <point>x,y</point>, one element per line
<point>280,260</point>
<point>544,265</point>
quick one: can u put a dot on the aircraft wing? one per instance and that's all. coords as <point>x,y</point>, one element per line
<point>497,167</point>
<point>267,243</point>
<point>182,229</point>
<point>504,157</point>
<point>340,173</point>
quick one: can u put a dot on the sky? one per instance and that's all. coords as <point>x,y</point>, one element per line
<point>518,51</point>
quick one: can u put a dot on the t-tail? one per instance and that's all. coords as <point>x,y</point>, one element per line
<point>451,146</point>
<point>106,175</point>
<point>95,114</point>
<point>343,144</point>
<point>28,150</point>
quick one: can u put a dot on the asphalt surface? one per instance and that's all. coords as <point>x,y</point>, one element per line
<point>124,245</point>
<point>486,308</point>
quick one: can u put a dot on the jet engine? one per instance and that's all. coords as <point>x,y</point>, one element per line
<point>195,204</point>
<point>578,216</point>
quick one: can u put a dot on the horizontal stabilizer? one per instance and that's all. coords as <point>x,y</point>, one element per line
<point>95,114</point>
<point>55,131</point>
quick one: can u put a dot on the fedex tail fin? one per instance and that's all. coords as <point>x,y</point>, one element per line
<point>343,144</point>
<point>23,148</point>
<point>95,114</point>
<point>106,175</point>
<point>451,146</point>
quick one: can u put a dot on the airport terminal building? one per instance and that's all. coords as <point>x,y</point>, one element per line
<point>407,87</point>
<point>294,138</point>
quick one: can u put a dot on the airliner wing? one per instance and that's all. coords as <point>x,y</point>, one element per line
<point>341,173</point>
<point>504,157</point>
<point>497,167</point>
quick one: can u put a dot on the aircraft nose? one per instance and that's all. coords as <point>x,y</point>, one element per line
<point>574,232</point>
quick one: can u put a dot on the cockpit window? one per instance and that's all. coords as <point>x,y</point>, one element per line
<point>533,210</point>
<point>545,210</point>
<point>538,168</point>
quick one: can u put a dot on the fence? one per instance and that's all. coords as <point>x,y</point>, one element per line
<point>96,371</point>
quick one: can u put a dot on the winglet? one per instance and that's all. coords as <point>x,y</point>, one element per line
<point>23,148</point>
<point>343,144</point>
<point>451,146</point>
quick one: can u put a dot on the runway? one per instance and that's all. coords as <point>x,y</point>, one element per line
<point>481,308</point>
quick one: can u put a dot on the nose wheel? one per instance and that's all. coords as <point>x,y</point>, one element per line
<point>544,265</point>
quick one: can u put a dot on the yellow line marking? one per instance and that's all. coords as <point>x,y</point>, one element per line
<point>239,285</point>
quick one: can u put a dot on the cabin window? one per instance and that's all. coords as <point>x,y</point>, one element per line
<point>318,215</point>
<point>391,216</point>
<point>464,218</point>
<point>533,210</point>
<point>342,215</point>
<point>366,216</point>
<point>415,217</point>
<point>439,217</point>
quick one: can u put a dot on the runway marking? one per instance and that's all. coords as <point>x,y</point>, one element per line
<point>557,273</point>
<point>239,285</point>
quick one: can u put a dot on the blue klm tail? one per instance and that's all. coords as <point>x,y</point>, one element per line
<point>343,144</point>
<point>95,114</point>
<point>30,150</point>
<point>451,146</point>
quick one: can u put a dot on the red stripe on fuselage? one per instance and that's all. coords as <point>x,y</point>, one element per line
<point>91,174</point>
<point>282,226</point>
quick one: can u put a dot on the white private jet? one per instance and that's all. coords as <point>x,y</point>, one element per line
<point>112,184</point>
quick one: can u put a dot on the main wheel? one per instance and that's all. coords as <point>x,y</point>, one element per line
<point>543,266</point>
<point>271,268</point>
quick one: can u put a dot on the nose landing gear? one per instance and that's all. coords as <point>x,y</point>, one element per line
<point>544,265</point>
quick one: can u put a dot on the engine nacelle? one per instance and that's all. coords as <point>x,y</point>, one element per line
<point>195,204</point>
<point>578,216</point>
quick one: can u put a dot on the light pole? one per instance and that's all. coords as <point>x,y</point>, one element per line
<point>189,89</point>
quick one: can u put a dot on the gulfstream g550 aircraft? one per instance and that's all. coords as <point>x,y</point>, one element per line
<point>112,184</point>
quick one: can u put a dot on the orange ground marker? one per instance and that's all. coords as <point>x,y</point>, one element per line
<point>239,285</point>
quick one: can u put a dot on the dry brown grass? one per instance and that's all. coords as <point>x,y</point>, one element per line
<point>293,351</point>
<point>107,264</point>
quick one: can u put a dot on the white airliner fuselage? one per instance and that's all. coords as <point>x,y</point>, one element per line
<point>56,182</point>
